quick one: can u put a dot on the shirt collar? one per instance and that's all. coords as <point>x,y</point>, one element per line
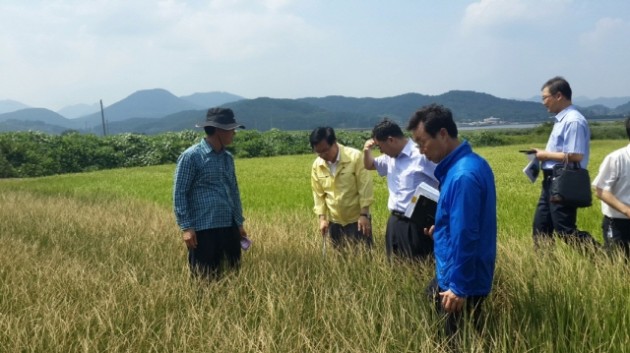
<point>338,155</point>
<point>207,147</point>
<point>564,112</point>
<point>408,149</point>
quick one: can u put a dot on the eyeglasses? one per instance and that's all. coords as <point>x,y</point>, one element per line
<point>546,96</point>
<point>322,151</point>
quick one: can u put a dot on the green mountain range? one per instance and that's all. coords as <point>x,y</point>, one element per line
<point>157,110</point>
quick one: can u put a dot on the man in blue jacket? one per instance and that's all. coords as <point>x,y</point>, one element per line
<point>465,231</point>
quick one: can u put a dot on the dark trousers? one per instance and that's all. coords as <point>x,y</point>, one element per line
<point>556,218</point>
<point>472,311</point>
<point>616,235</point>
<point>348,234</point>
<point>404,239</point>
<point>216,248</point>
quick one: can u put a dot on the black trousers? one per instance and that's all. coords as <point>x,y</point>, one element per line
<point>404,239</point>
<point>348,234</point>
<point>556,218</point>
<point>472,311</point>
<point>217,248</point>
<point>616,234</point>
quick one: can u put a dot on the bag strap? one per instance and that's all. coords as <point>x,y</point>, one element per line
<point>565,162</point>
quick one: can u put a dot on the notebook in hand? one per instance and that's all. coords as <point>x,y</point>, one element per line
<point>421,210</point>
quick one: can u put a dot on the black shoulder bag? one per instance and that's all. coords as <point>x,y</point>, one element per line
<point>570,185</point>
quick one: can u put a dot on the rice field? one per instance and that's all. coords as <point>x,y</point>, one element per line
<point>94,263</point>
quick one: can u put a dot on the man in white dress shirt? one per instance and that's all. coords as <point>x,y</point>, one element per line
<point>612,186</point>
<point>405,168</point>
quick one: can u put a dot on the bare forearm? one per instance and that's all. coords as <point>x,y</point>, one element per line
<point>368,159</point>
<point>543,155</point>
<point>609,198</point>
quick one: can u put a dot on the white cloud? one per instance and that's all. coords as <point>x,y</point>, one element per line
<point>237,35</point>
<point>46,45</point>
<point>58,52</point>
<point>492,13</point>
<point>607,32</point>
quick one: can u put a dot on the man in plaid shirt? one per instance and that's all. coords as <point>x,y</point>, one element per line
<point>207,201</point>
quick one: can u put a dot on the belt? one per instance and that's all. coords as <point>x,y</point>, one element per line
<point>400,215</point>
<point>612,219</point>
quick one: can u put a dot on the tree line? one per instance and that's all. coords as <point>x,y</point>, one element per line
<point>33,154</point>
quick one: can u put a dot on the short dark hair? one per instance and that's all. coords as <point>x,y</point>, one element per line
<point>627,122</point>
<point>558,84</point>
<point>386,128</point>
<point>434,117</point>
<point>210,130</point>
<point>322,133</point>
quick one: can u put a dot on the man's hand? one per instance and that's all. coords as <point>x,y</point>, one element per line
<point>451,302</point>
<point>190,238</point>
<point>323,226</point>
<point>429,231</point>
<point>368,145</point>
<point>368,160</point>
<point>541,155</point>
<point>364,225</point>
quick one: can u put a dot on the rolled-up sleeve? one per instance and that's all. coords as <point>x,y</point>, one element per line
<point>380,164</point>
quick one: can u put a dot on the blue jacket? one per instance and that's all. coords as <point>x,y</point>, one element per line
<point>465,233</point>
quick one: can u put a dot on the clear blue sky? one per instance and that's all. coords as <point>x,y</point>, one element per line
<point>65,52</point>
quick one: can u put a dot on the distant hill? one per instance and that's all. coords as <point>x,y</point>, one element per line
<point>623,109</point>
<point>295,114</point>
<point>153,103</point>
<point>211,99</point>
<point>79,110</point>
<point>610,102</point>
<point>174,122</point>
<point>594,110</point>
<point>262,114</point>
<point>156,111</point>
<point>7,106</point>
<point>362,113</point>
<point>466,106</point>
<point>42,115</point>
<point>21,125</point>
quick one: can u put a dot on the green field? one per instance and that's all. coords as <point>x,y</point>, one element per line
<point>93,262</point>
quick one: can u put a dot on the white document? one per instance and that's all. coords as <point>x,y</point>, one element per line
<point>532,169</point>
<point>425,190</point>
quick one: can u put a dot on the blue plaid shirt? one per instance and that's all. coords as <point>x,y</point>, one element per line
<point>205,190</point>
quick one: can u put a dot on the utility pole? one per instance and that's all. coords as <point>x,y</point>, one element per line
<point>103,119</point>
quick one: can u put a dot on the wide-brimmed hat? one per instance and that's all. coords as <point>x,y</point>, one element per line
<point>222,118</point>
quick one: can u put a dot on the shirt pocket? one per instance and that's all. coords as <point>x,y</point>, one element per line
<point>324,180</point>
<point>212,176</point>
<point>346,180</point>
